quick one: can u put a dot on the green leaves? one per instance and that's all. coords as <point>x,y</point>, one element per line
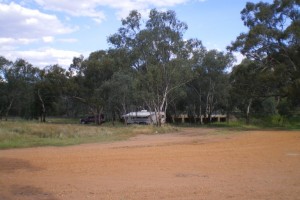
<point>156,53</point>
<point>273,41</point>
<point>272,27</point>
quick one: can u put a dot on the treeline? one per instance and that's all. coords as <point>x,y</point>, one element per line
<point>150,65</point>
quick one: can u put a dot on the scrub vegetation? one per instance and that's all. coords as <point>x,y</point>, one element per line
<point>152,66</point>
<point>20,133</point>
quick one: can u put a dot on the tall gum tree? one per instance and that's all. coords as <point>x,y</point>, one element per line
<point>159,55</point>
<point>273,40</point>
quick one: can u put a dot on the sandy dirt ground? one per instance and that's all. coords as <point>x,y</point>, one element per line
<point>189,164</point>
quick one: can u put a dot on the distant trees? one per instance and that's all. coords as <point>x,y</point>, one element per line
<point>250,84</point>
<point>17,84</point>
<point>6,100</point>
<point>49,88</point>
<point>28,91</point>
<point>89,84</point>
<point>213,81</point>
<point>208,93</point>
<point>273,42</point>
<point>150,65</point>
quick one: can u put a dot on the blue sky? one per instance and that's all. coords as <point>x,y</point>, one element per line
<point>47,32</point>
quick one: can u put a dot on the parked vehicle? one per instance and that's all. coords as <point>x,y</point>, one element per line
<point>143,117</point>
<point>92,119</point>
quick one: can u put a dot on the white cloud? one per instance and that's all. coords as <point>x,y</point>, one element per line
<point>15,41</point>
<point>48,39</point>
<point>22,26</point>
<point>17,21</point>
<point>6,41</point>
<point>143,6</point>
<point>43,57</point>
<point>75,8</point>
<point>239,58</point>
<point>163,3</point>
<point>68,40</point>
<point>94,8</point>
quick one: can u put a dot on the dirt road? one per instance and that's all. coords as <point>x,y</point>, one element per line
<point>190,164</point>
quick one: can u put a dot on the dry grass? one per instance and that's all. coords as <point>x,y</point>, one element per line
<point>20,134</point>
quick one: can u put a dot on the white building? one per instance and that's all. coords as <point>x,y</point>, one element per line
<point>144,117</point>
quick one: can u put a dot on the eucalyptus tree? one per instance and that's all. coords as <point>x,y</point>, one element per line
<point>18,81</point>
<point>215,77</point>
<point>210,89</point>
<point>273,40</point>
<point>90,85</point>
<point>49,90</point>
<point>4,100</point>
<point>158,53</point>
<point>121,94</point>
<point>248,86</point>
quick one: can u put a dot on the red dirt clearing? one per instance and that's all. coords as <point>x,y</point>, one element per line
<point>190,164</point>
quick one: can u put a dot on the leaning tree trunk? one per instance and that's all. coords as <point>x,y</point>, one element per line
<point>208,107</point>
<point>163,107</point>
<point>98,115</point>
<point>8,108</point>
<point>43,114</point>
<point>248,112</point>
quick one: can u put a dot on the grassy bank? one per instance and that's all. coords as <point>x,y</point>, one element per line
<point>268,122</point>
<point>256,123</point>
<point>20,134</point>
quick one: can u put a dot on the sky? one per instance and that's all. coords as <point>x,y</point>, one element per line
<point>48,32</point>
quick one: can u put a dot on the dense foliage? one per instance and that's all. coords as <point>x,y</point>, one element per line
<point>150,65</point>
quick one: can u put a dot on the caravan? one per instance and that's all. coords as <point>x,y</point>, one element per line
<point>144,117</point>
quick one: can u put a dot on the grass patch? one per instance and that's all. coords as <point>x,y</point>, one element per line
<point>236,125</point>
<point>256,123</point>
<point>277,122</point>
<point>20,134</point>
